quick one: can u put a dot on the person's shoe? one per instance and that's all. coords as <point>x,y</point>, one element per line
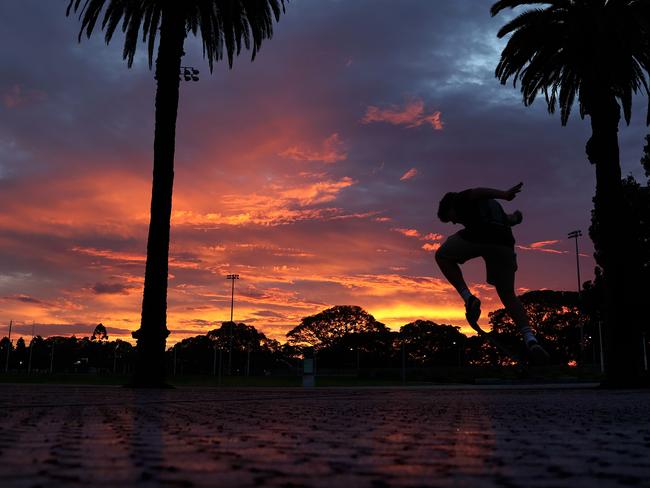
<point>537,352</point>
<point>472,310</point>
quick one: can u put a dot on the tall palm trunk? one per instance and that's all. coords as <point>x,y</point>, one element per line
<point>150,365</point>
<point>622,337</point>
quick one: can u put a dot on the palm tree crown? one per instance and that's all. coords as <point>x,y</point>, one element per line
<point>583,48</point>
<point>223,25</point>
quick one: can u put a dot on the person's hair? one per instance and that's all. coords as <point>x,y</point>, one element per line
<point>446,204</point>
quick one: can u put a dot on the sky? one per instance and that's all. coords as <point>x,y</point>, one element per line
<point>313,172</point>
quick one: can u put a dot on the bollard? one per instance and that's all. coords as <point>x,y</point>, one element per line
<point>308,377</point>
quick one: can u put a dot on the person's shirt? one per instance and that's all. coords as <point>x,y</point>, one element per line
<point>484,220</point>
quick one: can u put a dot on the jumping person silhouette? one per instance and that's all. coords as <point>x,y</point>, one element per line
<point>487,234</point>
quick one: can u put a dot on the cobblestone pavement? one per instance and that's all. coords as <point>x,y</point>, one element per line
<point>106,436</point>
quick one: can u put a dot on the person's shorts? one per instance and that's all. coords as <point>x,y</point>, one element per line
<point>500,261</point>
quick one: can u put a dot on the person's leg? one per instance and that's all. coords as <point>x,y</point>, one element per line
<point>516,310</point>
<point>451,270</point>
<point>501,263</point>
<point>453,252</point>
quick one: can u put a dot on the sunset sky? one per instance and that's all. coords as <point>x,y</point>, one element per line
<point>313,172</point>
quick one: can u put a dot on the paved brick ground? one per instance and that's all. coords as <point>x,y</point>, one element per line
<point>83,436</point>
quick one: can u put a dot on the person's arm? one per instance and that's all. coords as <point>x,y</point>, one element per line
<point>484,193</point>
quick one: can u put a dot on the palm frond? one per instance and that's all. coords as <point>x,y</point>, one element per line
<point>577,49</point>
<point>504,4</point>
<point>224,26</point>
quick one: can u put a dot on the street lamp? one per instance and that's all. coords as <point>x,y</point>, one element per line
<point>458,351</point>
<point>8,348</point>
<point>31,346</point>
<point>115,358</point>
<point>574,235</point>
<point>231,277</point>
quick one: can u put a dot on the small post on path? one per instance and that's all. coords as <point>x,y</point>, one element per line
<point>308,380</point>
<point>645,353</point>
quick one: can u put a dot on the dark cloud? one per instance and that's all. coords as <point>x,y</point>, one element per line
<point>23,298</point>
<point>111,289</point>
<point>268,313</point>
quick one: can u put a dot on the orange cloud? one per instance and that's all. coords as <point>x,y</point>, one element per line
<point>281,204</point>
<point>411,173</point>
<point>432,237</point>
<point>407,232</point>
<point>315,193</point>
<point>431,247</point>
<point>116,203</point>
<point>332,150</point>
<point>411,115</point>
<point>540,246</point>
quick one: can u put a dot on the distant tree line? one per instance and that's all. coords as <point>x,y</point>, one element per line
<point>344,338</point>
<point>55,354</point>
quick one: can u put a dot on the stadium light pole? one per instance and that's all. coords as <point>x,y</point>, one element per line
<point>8,348</point>
<point>575,235</point>
<point>231,277</point>
<point>115,358</point>
<point>31,347</point>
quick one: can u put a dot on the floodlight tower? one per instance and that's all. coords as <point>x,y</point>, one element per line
<point>574,235</point>
<point>231,277</point>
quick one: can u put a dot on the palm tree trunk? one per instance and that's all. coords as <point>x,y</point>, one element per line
<point>622,336</point>
<point>150,365</point>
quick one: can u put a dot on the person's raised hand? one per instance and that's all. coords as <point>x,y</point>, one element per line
<point>512,192</point>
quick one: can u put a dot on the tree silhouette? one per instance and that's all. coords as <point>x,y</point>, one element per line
<point>429,343</point>
<point>597,51</point>
<point>224,26</point>
<point>325,328</point>
<point>99,334</point>
<point>20,356</point>
<point>244,337</point>
<point>555,316</point>
<point>637,202</point>
<point>197,354</point>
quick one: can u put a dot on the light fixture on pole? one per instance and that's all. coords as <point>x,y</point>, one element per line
<point>231,277</point>
<point>575,235</point>
<point>189,73</point>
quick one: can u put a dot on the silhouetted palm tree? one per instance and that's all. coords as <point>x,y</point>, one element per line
<point>598,52</point>
<point>224,27</point>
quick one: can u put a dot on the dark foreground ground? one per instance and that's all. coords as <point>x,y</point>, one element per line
<point>492,436</point>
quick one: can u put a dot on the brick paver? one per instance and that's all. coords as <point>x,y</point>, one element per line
<point>103,436</point>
